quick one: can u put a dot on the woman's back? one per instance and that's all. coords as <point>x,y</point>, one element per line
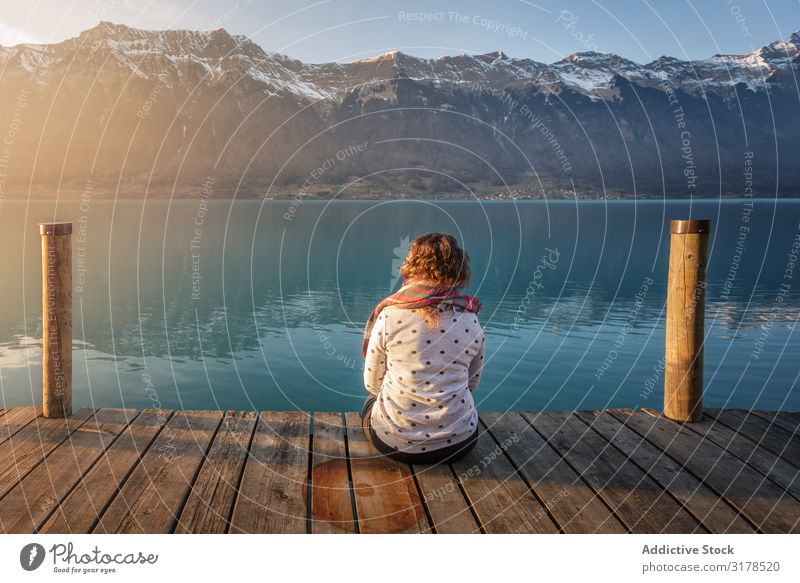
<point>424,377</point>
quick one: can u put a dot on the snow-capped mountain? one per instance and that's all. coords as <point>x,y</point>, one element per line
<point>124,109</point>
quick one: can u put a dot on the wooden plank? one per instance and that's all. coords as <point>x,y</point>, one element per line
<point>28,447</point>
<point>765,504</point>
<point>386,498</point>
<point>330,497</point>
<point>272,493</point>
<point>81,510</point>
<point>15,419</point>
<point>575,506</point>
<point>151,499</point>
<point>789,420</point>
<point>31,501</point>
<point>712,511</point>
<point>771,437</point>
<point>210,502</point>
<point>501,499</point>
<point>636,499</point>
<point>776,469</point>
<point>442,495</point>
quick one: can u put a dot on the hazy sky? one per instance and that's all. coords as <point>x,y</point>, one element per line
<point>326,30</point>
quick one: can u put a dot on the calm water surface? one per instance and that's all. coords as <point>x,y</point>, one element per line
<point>260,305</point>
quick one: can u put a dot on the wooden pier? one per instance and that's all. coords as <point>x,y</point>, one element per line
<point>611,471</point>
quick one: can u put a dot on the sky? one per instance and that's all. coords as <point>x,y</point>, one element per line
<point>345,30</point>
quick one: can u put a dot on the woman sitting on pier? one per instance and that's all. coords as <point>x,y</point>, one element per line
<point>424,351</point>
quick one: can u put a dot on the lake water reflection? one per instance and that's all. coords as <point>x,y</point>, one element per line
<point>234,305</point>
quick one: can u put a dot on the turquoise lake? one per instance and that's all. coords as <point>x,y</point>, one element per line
<point>261,304</point>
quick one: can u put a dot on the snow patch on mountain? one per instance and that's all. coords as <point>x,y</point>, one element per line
<point>220,55</point>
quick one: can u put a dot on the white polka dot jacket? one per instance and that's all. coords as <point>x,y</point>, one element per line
<point>423,378</point>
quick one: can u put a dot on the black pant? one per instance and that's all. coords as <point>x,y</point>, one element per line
<point>446,454</point>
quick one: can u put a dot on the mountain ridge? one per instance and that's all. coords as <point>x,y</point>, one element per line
<point>262,120</point>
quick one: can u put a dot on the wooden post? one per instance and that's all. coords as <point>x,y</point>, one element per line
<point>686,300</point>
<point>56,319</point>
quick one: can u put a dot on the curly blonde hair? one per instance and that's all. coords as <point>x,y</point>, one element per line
<point>436,259</point>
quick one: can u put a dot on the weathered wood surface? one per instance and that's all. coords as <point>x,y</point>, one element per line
<point>502,501</point>
<point>773,467</point>
<point>210,503</point>
<point>768,435</point>
<point>448,508</point>
<point>385,495</point>
<point>787,419</point>
<point>91,496</point>
<point>57,319</point>
<point>272,495</point>
<point>641,504</point>
<point>330,500</point>
<point>685,320</point>
<point>766,505</point>
<point>574,505</point>
<point>710,510</point>
<point>30,445</point>
<point>152,497</point>
<point>36,496</point>
<point>115,470</point>
<point>15,419</point>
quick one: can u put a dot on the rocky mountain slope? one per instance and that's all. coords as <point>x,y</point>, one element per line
<point>188,113</point>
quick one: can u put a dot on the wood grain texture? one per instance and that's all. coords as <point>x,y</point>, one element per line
<point>574,505</point>
<point>387,500</point>
<point>609,471</point>
<point>789,420</point>
<point>34,498</point>
<point>210,502</point>
<point>151,499</point>
<point>57,325</point>
<point>685,327</point>
<point>767,435</point>
<point>767,463</point>
<point>330,496</point>
<point>715,515</point>
<point>441,493</point>
<point>16,419</point>
<point>500,497</point>
<point>272,493</point>
<point>634,497</point>
<point>81,510</point>
<point>763,503</point>
<point>26,449</point>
